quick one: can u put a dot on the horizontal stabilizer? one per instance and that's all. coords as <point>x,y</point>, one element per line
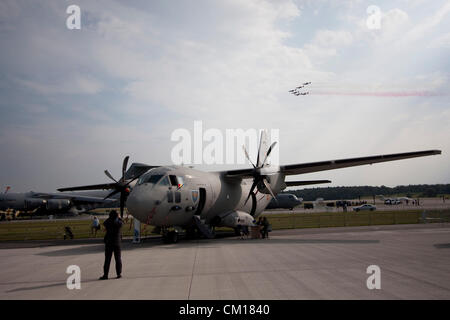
<point>304,183</point>
<point>137,169</point>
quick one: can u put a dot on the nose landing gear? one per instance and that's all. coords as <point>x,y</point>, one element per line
<point>170,236</point>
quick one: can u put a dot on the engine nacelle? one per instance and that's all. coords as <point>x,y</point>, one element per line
<point>34,203</point>
<point>237,218</point>
<point>58,204</point>
<point>276,182</point>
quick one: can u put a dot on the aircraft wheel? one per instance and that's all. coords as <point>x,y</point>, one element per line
<point>191,233</point>
<point>174,237</point>
<point>170,237</point>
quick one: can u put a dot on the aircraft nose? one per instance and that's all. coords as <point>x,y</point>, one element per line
<point>139,202</point>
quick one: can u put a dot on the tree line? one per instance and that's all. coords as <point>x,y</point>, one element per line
<point>342,193</point>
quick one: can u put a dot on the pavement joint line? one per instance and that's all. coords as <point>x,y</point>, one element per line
<point>193,268</point>
<point>415,279</point>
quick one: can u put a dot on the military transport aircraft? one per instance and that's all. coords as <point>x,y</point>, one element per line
<point>174,198</point>
<point>284,201</point>
<point>41,203</point>
<point>289,200</point>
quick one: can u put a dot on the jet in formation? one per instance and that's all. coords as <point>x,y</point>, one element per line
<point>177,198</point>
<point>297,92</point>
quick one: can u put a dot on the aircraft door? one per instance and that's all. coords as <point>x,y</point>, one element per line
<point>201,201</point>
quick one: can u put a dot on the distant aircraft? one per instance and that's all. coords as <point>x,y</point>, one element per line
<point>296,90</point>
<point>284,201</point>
<point>289,200</point>
<point>38,203</point>
<point>174,198</point>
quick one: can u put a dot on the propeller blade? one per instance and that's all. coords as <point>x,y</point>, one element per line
<point>110,176</point>
<point>248,157</point>
<point>124,167</point>
<point>268,152</point>
<point>259,148</point>
<point>123,198</point>
<point>255,183</point>
<point>267,184</point>
<point>111,194</point>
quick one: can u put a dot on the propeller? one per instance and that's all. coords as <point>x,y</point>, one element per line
<point>121,185</point>
<point>259,178</point>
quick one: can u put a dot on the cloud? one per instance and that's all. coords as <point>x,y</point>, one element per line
<point>441,42</point>
<point>74,84</point>
<point>326,44</point>
<point>75,102</point>
<point>421,29</point>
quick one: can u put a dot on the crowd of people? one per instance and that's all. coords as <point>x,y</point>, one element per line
<point>263,228</point>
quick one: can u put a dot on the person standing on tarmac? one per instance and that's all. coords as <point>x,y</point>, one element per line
<point>112,241</point>
<point>265,228</point>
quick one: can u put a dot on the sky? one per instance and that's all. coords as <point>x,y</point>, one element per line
<point>76,102</point>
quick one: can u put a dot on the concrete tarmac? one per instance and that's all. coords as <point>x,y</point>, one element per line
<point>328,263</point>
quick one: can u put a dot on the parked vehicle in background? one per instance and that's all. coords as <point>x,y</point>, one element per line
<point>392,201</point>
<point>365,207</point>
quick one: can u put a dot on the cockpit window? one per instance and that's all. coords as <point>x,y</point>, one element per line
<point>164,181</point>
<point>173,180</point>
<point>150,179</point>
<point>176,181</point>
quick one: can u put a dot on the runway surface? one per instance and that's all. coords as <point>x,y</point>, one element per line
<point>327,263</point>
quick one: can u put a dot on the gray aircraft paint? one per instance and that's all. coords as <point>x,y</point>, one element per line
<point>149,202</point>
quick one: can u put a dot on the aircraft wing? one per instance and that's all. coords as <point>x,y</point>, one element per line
<point>104,186</point>
<point>335,164</point>
<point>75,198</point>
<point>304,183</point>
<point>134,172</point>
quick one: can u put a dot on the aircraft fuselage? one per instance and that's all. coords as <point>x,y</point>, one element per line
<point>181,193</point>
